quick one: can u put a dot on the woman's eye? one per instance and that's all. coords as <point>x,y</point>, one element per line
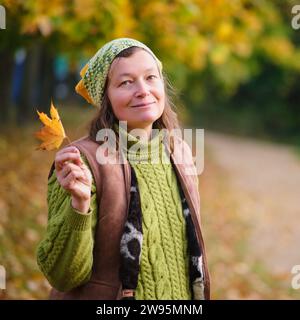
<point>124,83</point>
<point>151,77</point>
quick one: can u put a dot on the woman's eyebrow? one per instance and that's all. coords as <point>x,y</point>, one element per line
<point>127,74</point>
<point>124,75</point>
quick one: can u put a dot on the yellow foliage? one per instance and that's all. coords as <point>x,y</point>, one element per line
<point>219,54</point>
<point>53,133</point>
<point>188,32</point>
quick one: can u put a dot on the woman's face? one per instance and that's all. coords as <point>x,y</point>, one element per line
<point>136,90</point>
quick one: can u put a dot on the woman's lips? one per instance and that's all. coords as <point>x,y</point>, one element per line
<point>141,105</point>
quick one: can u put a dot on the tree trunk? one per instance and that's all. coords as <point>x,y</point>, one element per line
<point>38,82</point>
<point>6,67</point>
<point>46,75</point>
<point>28,98</point>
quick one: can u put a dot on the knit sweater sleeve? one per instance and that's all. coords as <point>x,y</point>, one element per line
<point>65,254</point>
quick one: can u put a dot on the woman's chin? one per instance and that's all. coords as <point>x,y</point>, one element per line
<point>147,118</point>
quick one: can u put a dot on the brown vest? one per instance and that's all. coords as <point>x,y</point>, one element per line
<point>113,192</point>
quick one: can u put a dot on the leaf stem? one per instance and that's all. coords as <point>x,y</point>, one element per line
<point>68,139</point>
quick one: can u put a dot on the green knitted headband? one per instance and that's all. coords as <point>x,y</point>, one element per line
<point>95,72</point>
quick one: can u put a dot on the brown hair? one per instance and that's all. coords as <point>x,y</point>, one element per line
<point>105,118</point>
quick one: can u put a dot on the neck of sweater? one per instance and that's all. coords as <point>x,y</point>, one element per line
<point>141,151</point>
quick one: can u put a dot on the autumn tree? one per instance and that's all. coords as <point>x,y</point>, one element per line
<point>218,42</point>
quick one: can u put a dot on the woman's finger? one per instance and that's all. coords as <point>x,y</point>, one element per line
<point>67,168</point>
<point>86,171</point>
<point>65,157</point>
<point>70,149</point>
<point>69,181</point>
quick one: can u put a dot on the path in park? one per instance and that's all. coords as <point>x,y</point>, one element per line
<point>267,178</point>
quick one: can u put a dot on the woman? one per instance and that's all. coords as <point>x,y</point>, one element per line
<point>126,229</point>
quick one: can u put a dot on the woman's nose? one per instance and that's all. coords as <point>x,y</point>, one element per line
<point>142,89</point>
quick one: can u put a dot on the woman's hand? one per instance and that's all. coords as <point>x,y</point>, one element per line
<point>75,177</point>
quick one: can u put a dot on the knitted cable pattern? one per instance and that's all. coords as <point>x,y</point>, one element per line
<point>164,253</point>
<point>171,259</point>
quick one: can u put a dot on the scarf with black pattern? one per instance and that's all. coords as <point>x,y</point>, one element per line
<point>131,247</point>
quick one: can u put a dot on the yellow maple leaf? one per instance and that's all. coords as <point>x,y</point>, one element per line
<point>53,133</point>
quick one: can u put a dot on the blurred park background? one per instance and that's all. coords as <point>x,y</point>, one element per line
<point>236,69</point>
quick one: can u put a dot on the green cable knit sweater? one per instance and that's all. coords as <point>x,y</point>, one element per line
<point>65,253</point>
